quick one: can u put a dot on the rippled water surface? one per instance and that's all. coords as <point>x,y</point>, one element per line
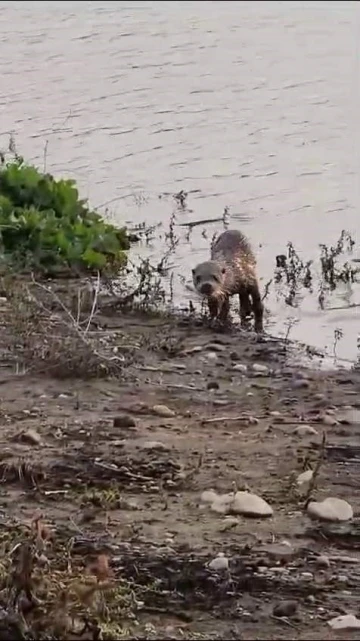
<point>250,105</point>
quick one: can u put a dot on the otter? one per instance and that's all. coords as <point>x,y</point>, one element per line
<point>230,270</point>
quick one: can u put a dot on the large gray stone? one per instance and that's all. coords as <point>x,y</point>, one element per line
<point>250,505</point>
<point>331,509</point>
<point>345,622</point>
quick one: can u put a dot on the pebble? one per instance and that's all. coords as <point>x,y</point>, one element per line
<point>219,563</point>
<point>342,578</point>
<point>239,367</point>
<point>208,496</point>
<point>260,369</point>
<point>124,421</point>
<point>262,569</point>
<point>345,622</point>
<point>222,503</point>
<point>229,522</point>
<point>212,385</point>
<point>326,419</point>
<point>311,599</point>
<point>307,576</point>
<point>163,410</point>
<point>155,445</point>
<point>216,347</point>
<point>300,383</point>
<point>118,442</point>
<point>323,561</point>
<point>194,350</point>
<point>250,504</point>
<point>279,570</point>
<point>305,477</point>
<point>305,430</point>
<point>331,509</point>
<point>285,608</point>
<point>32,437</point>
<point>212,356</point>
<point>280,551</point>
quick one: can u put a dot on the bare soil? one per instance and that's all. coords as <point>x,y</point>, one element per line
<point>111,476</point>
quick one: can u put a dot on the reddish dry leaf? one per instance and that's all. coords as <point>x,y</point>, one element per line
<point>42,530</point>
<point>100,568</point>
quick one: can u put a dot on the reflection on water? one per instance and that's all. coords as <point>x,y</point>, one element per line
<point>247,105</point>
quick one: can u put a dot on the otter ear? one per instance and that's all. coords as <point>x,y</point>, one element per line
<point>193,271</point>
<point>223,270</point>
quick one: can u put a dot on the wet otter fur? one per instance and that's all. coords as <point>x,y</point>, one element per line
<point>231,270</point>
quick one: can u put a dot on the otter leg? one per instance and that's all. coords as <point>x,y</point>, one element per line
<point>245,306</point>
<point>213,308</point>
<point>258,308</point>
<point>224,310</point>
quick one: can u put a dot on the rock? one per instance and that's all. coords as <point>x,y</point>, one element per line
<point>285,608</point>
<point>216,347</point>
<point>326,419</point>
<point>305,430</point>
<point>331,509</point>
<point>280,551</point>
<point>239,367</point>
<point>305,477</point>
<point>307,576</point>
<point>212,385</point>
<point>194,350</point>
<point>323,561</point>
<point>311,599</point>
<point>219,563</point>
<point>279,570</point>
<point>345,622</point>
<point>118,443</point>
<point>222,503</point>
<point>163,411</point>
<point>124,421</point>
<point>155,445</point>
<point>212,356</point>
<point>31,436</point>
<point>229,522</point>
<point>260,369</point>
<point>350,415</point>
<point>300,383</point>
<point>250,505</point>
<point>342,578</point>
<point>208,496</point>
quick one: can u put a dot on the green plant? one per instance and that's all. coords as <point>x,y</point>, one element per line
<point>46,227</point>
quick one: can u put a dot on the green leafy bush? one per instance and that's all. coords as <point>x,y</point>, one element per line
<point>45,226</point>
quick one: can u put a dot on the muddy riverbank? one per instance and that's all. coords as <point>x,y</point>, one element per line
<point>128,485</point>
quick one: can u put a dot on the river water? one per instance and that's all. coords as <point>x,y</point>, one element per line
<point>249,105</point>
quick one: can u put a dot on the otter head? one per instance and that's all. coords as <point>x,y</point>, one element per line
<point>208,279</point>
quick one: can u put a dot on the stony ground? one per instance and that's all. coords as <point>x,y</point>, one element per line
<point>122,469</point>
